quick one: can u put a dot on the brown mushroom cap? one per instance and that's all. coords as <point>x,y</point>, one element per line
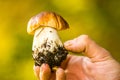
<point>46,19</point>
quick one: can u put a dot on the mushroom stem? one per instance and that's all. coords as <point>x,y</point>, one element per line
<point>46,38</point>
<point>46,45</point>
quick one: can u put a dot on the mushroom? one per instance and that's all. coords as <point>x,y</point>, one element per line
<point>47,46</point>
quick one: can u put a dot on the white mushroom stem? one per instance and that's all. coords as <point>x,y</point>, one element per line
<point>46,39</point>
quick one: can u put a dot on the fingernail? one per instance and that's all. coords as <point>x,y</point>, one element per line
<point>36,68</point>
<point>36,71</point>
<point>45,72</point>
<point>43,66</point>
<point>59,70</point>
<point>67,43</point>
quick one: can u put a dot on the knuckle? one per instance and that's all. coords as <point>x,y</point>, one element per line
<point>84,37</point>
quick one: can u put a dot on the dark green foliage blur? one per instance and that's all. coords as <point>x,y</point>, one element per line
<point>100,19</point>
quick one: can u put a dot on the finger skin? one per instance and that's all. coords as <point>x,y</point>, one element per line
<point>45,72</point>
<point>36,71</point>
<point>84,44</point>
<point>60,74</point>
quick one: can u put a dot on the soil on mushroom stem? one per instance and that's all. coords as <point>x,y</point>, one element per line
<point>52,59</point>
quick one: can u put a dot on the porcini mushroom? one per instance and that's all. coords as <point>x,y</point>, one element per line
<point>47,46</point>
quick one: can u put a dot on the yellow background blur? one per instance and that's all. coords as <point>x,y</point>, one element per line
<point>100,19</point>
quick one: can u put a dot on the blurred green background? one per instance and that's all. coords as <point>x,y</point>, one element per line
<point>100,19</point>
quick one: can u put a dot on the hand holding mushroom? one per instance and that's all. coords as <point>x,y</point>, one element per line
<point>97,64</point>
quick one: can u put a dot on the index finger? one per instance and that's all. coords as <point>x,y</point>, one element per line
<point>42,72</point>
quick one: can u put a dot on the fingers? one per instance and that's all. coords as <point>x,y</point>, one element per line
<point>36,71</point>
<point>43,72</point>
<point>60,74</point>
<point>65,62</point>
<point>89,47</point>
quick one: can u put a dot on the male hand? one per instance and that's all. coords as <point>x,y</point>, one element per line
<point>97,64</point>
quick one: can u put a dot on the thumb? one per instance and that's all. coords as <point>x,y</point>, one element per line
<point>84,44</point>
